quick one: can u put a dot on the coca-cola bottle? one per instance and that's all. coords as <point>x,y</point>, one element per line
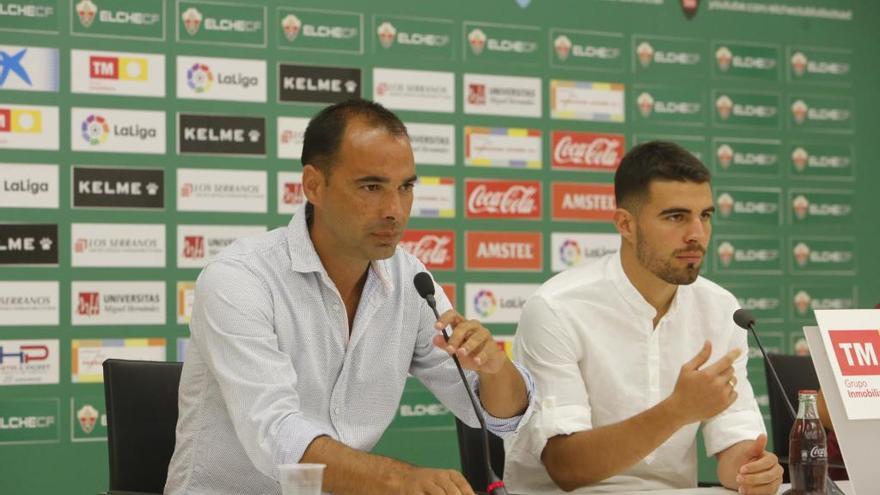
<point>807,448</point>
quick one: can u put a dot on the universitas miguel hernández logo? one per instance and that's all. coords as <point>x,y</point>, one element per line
<point>95,129</point>
<point>199,78</point>
<point>485,303</point>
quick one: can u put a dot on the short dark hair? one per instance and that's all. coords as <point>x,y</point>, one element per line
<point>324,133</point>
<point>654,160</point>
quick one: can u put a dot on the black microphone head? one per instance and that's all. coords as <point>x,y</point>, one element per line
<point>424,284</point>
<point>743,318</point>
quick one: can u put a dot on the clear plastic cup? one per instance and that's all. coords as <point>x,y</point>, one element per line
<point>301,479</point>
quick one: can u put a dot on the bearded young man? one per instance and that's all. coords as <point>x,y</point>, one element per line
<point>633,353</point>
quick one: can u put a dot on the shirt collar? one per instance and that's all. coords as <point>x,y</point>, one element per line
<point>614,271</point>
<point>304,258</point>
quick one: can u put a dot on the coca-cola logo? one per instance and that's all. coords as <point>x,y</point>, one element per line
<point>587,151</point>
<point>503,199</point>
<point>434,248</point>
<point>818,452</point>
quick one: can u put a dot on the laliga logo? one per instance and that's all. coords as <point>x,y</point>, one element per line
<point>799,63</point>
<point>724,104</point>
<point>725,252</point>
<point>802,302</point>
<point>799,111</point>
<point>802,254</point>
<point>725,204</point>
<point>485,303</point>
<point>725,156</point>
<point>199,78</point>
<point>291,26</point>
<point>95,129</point>
<point>800,157</point>
<point>801,206</point>
<point>87,417</point>
<point>723,57</point>
<point>646,104</point>
<point>645,52</point>
<point>477,40</point>
<point>86,11</point>
<point>570,252</point>
<point>192,20</point>
<point>386,33</point>
<point>562,45</point>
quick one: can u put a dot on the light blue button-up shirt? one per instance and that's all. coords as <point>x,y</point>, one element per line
<point>271,366</point>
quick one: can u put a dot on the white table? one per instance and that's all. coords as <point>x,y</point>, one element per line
<point>844,485</point>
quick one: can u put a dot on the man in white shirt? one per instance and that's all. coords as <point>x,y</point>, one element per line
<point>632,353</point>
<point>302,338</point>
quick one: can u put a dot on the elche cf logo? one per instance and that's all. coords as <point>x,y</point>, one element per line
<point>386,32</point>
<point>87,417</point>
<point>477,40</point>
<point>799,111</point>
<point>485,303</point>
<point>801,253</point>
<point>802,301</point>
<point>645,53</point>
<point>800,157</point>
<point>725,156</point>
<point>95,129</point>
<point>88,304</point>
<point>799,63</point>
<point>689,8</point>
<point>199,78</point>
<point>724,105</point>
<point>192,20</point>
<point>726,252</point>
<point>292,26</point>
<point>562,45</point>
<point>725,204</point>
<point>723,57</point>
<point>801,206</point>
<point>86,11</point>
<point>646,104</point>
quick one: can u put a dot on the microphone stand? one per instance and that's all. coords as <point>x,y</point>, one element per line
<point>496,485</point>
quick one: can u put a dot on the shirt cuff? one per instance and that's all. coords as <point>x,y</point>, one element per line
<point>503,426</point>
<point>724,431</point>
<point>296,434</point>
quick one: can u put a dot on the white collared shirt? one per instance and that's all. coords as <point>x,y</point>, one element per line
<point>588,339</point>
<point>270,366</point>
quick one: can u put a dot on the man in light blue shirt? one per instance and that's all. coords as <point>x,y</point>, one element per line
<point>302,338</point>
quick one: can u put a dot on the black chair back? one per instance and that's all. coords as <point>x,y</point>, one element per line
<point>473,463</point>
<point>796,373</point>
<point>141,400</point>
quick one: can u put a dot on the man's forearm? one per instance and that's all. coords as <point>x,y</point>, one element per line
<point>729,462</point>
<point>352,472</point>
<point>588,457</point>
<point>504,394</point>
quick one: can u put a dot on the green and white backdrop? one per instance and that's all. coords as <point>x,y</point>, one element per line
<point>140,137</point>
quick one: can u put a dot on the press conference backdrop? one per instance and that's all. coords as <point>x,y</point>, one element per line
<point>141,137</point>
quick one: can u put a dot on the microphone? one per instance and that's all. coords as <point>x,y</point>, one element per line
<point>744,319</point>
<point>425,287</point>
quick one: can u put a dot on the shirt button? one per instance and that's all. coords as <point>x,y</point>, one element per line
<point>336,411</point>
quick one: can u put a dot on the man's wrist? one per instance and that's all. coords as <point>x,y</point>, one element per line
<point>672,410</point>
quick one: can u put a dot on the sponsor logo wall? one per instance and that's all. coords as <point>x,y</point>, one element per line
<point>183,129</point>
